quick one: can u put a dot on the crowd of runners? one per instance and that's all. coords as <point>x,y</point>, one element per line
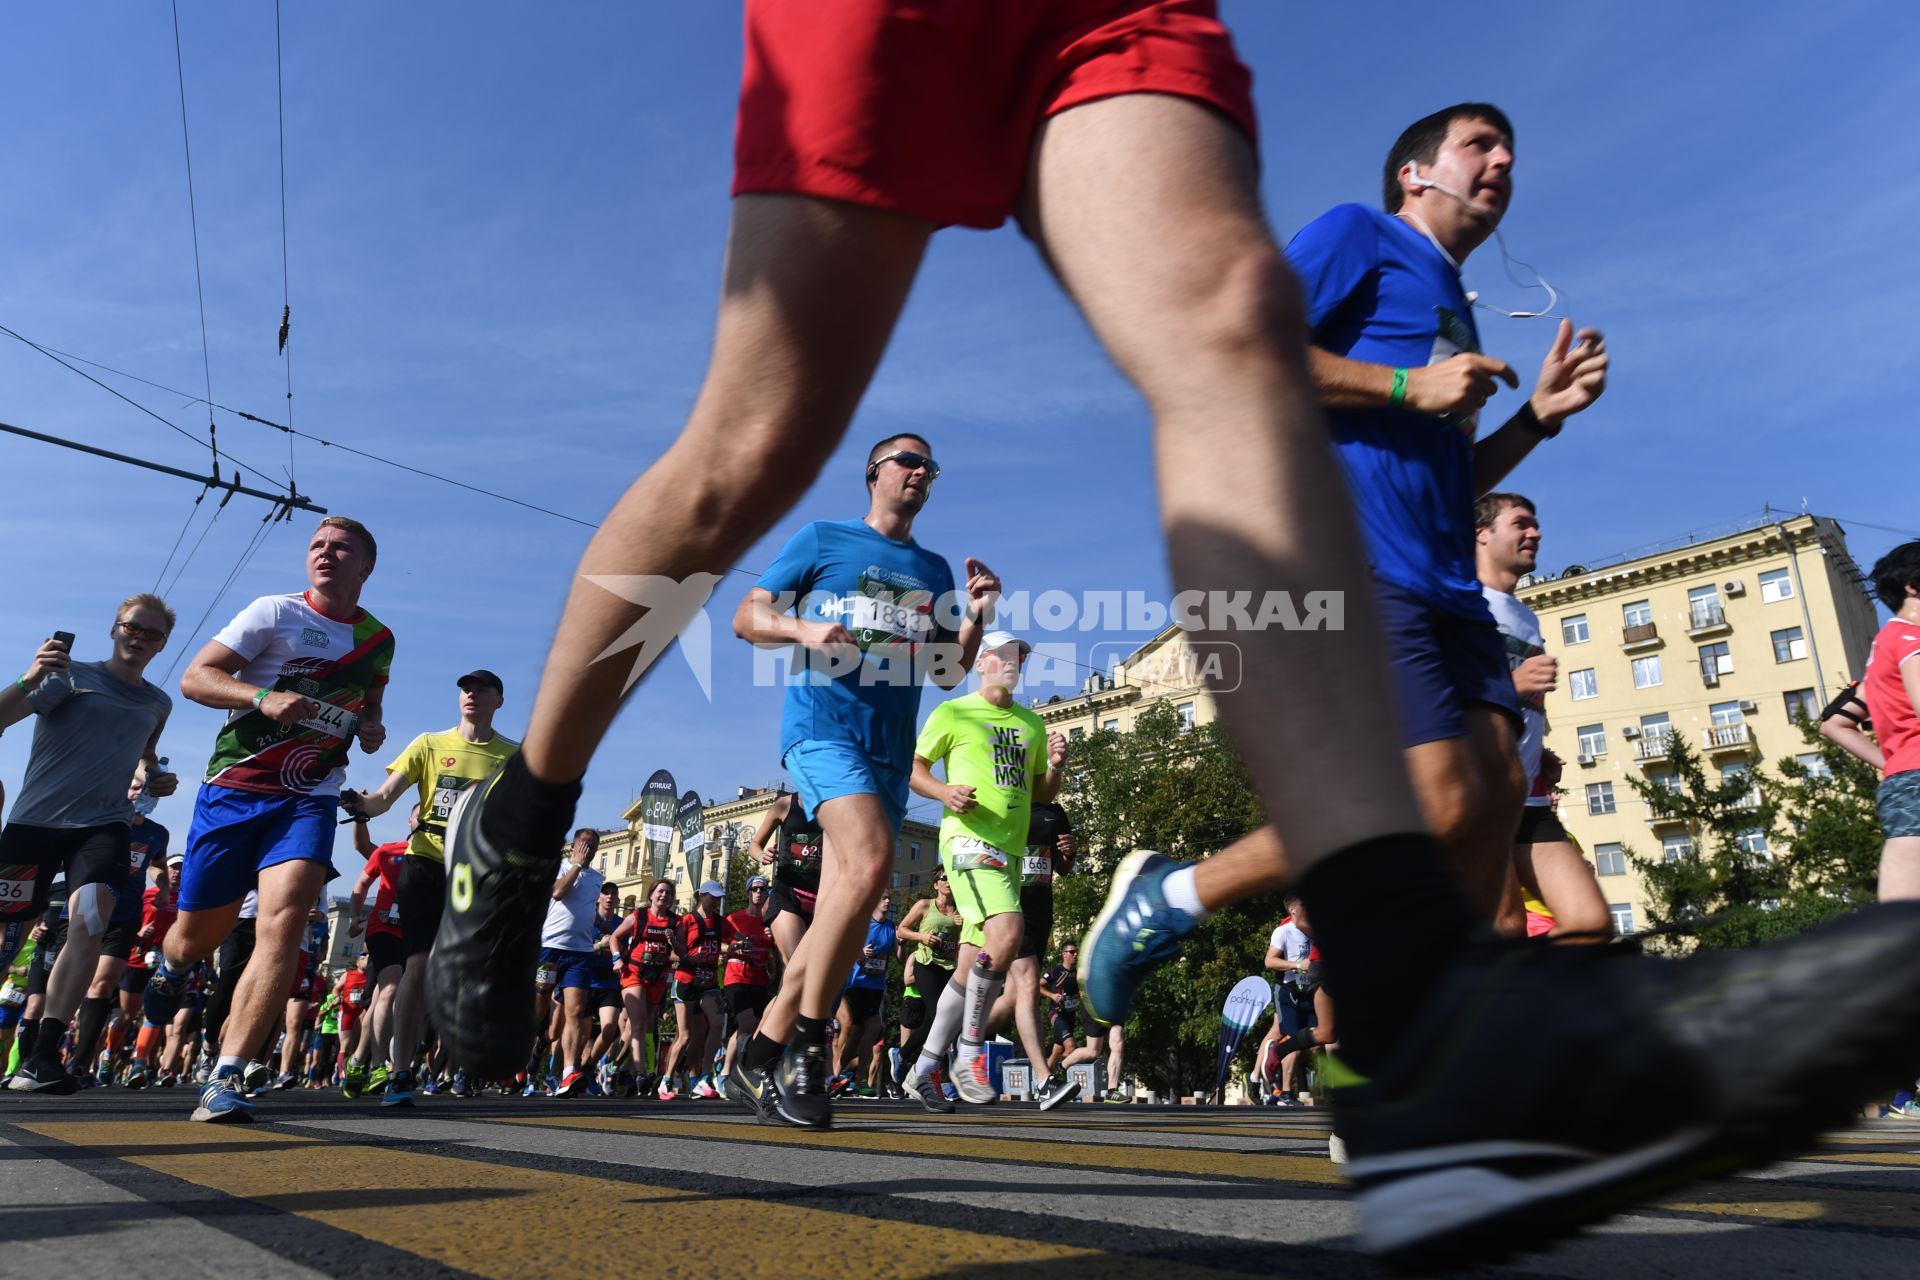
<point>1317,417</point>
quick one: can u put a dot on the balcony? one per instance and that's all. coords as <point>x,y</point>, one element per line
<point>1654,745</point>
<point>1705,620</point>
<point>1727,739</point>
<point>1641,638</point>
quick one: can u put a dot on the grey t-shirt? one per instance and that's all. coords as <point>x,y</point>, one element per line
<point>91,732</point>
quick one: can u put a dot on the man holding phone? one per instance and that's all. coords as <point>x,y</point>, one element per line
<point>301,677</point>
<point>99,726</point>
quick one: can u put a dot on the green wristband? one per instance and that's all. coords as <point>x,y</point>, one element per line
<point>260,696</point>
<point>22,682</point>
<point>1398,396</point>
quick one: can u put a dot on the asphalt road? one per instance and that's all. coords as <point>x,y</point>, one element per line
<point>106,1182</point>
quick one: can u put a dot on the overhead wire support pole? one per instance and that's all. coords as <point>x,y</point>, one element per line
<point>291,501</point>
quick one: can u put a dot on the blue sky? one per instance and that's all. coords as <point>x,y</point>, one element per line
<point>505,225</point>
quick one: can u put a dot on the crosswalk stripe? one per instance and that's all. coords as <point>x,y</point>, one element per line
<point>510,1222</point>
<point>1132,1159</point>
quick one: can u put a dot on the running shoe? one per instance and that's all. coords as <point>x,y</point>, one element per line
<point>572,1084</point>
<point>947,1090</point>
<point>462,1087</point>
<point>719,1083</point>
<point>354,1082</point>
<point>838,1085</point>
<point>800,1087</point>
<point>974,1079</point>
<point>666,1092</point>
<point>1118,1096</point>
<point>1544,1088</point>
<point>1059,1088</point>
<point>896,1065</point>
<point>399,1092</point>
<point>1287,1100</point>
<point>223,1102</point>
<point>1134,934</point>
<point>930,1092</point>
<point>480,972</point>
<point>36,1076</point>
<point>1336,1149</point>
<point>168,1080</point>
<point>162,998</point>
<point>430,1086</point>
<point>136,1075</point>
<point>378,1078</point>
<point>745,1086</point>
<point>286,1080</point>
<point>531,1089</point>
<point>1908,1110</point>
<point>256,1077</point>
<point>703,1088</point>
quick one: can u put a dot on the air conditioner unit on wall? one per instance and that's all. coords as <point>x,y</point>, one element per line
<point>1734,588</point>
<point>1748,706</point>
<point>1630,731</point>
<point>1584,758</point>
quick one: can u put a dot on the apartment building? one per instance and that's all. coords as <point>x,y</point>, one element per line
<point>1723,638</point>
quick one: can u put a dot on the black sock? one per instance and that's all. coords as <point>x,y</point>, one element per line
<point>1388,916</point>
<point>52,1033</point>
<point>760,1053</point>
<point>87,1027</point>
<point>809,1031</point>
<point>29,1037</point>
<point>524,813</point>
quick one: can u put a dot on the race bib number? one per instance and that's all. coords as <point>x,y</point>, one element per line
<point>446,793</point>
<point>335,722</point>
<point>11,996</point>
<point>970,853</point>
<point>873,964</point>
<point>868,614</point>
<point>545,976</point>
<point>16,883</point>
<point>1037,867</point>
<point>392,914</point>
<point>358,998</point>
<point>1069,1003</point>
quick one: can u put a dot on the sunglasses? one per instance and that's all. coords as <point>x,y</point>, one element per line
<point>909,459</point>
<point>134,631</point>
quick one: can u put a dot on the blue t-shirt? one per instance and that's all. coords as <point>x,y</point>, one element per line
<point>1379,291</point>
<point>896,598</point>
<point>148,841</point>
<point>871,971</point>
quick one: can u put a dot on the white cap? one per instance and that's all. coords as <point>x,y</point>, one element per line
<point>1001,639</point>
<point>712,888</point>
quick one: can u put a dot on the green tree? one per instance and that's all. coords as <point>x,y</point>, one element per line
<point>1832,822</point>
<point>1182,792</point>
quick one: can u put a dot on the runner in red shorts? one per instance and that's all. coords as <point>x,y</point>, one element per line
<point>1118,132</point>
<point>643,951</point>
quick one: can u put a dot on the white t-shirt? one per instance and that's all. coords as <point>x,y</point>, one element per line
<point>569,924</point>
<point>1293,944</point>
<point>1521,631</point>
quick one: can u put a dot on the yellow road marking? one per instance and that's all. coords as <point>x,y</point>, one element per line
<point>1784,1202</point>
<point>1153,1159</point>
<point>508,1222</point>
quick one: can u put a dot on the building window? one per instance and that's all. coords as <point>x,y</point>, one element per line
<point>1593,740</point>
<point>1076,733</point>
<point>1622,913</point>
<point>1789,644</point>
<point>1655,728</point>
<point>1801,704</point>
<point>1676,846</point>
<point>1573,629</point>
<point>1815,764</point>
<point>912,881</point>
<point>1664,780</point>
<point>1599,798</point>
<point>1611,859</point>
<point>1726,713</point>
<point>1185,712</point>
<point>1637,614</point>
<point>1776,584</point>
<point>1715,661</point>
<point>913,852</point>
<point>1646,671</point>
<point>1703,607</point>
<point>1583,684</point>
<point>1110,726</point>
<point>1753,840</point>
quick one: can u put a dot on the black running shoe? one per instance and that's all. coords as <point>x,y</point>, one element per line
<point>800,1087</point>
<point>38,1076</point>
<point>1545,1088</point>
<point>1059,1088</point>
<point>480,974</point>
<point>745,1084</point>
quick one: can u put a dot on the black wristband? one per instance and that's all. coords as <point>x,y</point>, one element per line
<point>1531,421</point>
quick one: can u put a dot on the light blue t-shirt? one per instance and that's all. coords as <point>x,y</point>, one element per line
<point>1379,291</point>
<point>871,971</point>
<point>897,598</point>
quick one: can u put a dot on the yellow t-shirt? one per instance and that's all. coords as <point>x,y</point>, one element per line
<point>441,766</point>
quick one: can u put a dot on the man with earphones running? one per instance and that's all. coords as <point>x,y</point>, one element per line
<point>1396,356</point>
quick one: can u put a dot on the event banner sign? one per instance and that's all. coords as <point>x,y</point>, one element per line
<point>1246,1005</point>
<point>658,801</point>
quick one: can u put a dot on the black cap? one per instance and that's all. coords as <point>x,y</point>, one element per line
<point>481,677</point>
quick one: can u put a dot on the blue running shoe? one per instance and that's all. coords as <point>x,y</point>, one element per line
<point>1135,933</point>
<point>222,1102</point>
<point>162,998</point>
<point>399,1090</point>
<point>430,1086</point>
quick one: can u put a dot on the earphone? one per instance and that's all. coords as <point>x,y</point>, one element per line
<point>1508,261</point>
